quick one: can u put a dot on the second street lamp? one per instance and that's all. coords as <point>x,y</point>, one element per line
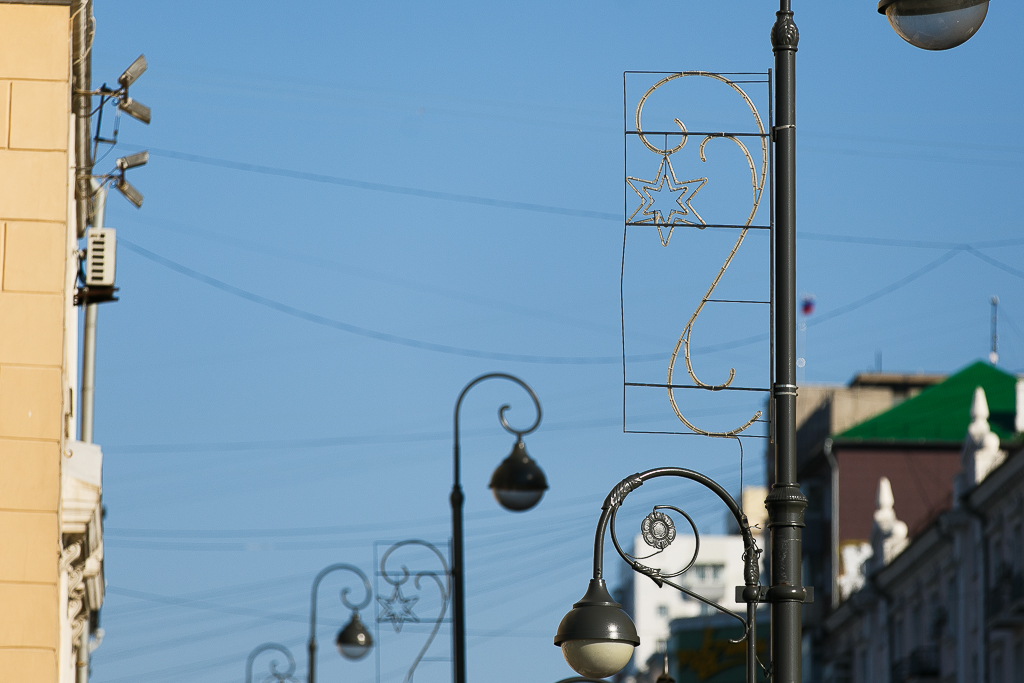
<point>354,640</point>
<point>518,484</point>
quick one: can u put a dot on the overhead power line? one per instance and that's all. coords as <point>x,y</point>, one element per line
<point>927,268</point>
<point>384,187</point>
<point>918,244</point>
<point>374,334</point>
<point>513,357</point>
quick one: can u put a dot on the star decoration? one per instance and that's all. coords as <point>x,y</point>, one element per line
<point>397,609</point>
<point>649,188</point>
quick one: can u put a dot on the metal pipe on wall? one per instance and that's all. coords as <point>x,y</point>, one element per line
<point>88,393</point>
<point>834,522</point>
<point>81,105</point>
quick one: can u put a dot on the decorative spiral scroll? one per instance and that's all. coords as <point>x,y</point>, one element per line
<point>657,575</point>
<point>757,186</point>
<point>520,433</point>
<point>398,609</point>
<point>286,676</point>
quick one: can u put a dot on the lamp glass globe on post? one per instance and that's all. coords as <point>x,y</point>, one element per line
<point>935,24</point>
<point>597,638</point>
<point>518,483</point>
<point>354,641</point>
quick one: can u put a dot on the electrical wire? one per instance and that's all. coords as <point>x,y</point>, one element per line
<point>373,439</point>
<point>902,282</point>
<point>374,334</point>
<point>918,244</point>
<point>993,262</point>
<point>382,187</point>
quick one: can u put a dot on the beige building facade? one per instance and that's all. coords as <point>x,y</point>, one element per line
<point>51,579</point>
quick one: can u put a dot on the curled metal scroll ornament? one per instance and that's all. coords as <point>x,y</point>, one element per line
<point>666,175</point>
<point>397,609</point>
<point>658,542</point>
<point>275,675</point>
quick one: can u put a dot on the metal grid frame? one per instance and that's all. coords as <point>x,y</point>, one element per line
<point>735,78</point>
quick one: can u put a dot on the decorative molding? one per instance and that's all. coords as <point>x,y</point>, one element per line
<point>785,35</point>
<point>70,553</point>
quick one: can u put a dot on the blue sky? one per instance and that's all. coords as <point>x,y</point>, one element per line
<point>452,176</point>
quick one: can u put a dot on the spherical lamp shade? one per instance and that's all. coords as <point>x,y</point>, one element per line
<point>597,638</point>
<point>354,641</point>
<point>519,483</point>
<point>935,24</point>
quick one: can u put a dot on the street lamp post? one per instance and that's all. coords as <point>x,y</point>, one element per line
<point>785,503</point>
<point>518,484</point>
<point>928,24</point>
<point>354,640</point>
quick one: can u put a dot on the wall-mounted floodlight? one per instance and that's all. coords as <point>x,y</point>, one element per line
<point>125,103</point>
<point>122,185</point>
<point>129,192</point>
<point>132,73</point>
<point>134,109</point>
<point>133,160</point>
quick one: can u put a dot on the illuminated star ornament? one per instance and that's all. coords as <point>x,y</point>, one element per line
<point>649,192</point>
<point>397,609</point>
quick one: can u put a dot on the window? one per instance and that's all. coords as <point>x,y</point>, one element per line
<point>953,607</point>
<point>997,556</point>
<point>914,634</point>
<point>708,573</point>
<point>662,610</point>
<point>1015,547</point>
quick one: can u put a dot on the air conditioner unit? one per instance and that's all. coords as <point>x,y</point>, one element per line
<point>100,257</point>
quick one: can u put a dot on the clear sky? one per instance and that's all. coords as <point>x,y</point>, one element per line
<point>324,175</point>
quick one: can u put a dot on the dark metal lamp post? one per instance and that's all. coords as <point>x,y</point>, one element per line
<point>354,640</point>
<point>929,24</point>
<point>518,484</point>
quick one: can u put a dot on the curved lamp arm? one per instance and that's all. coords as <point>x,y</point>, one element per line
<point>631,483</point>
<point>344,599</point>
<point>281,676</point>
<point>457,478</point>
<point>751,593</point>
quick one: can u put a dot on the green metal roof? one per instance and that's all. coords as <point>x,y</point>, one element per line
<point>941,413</point>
